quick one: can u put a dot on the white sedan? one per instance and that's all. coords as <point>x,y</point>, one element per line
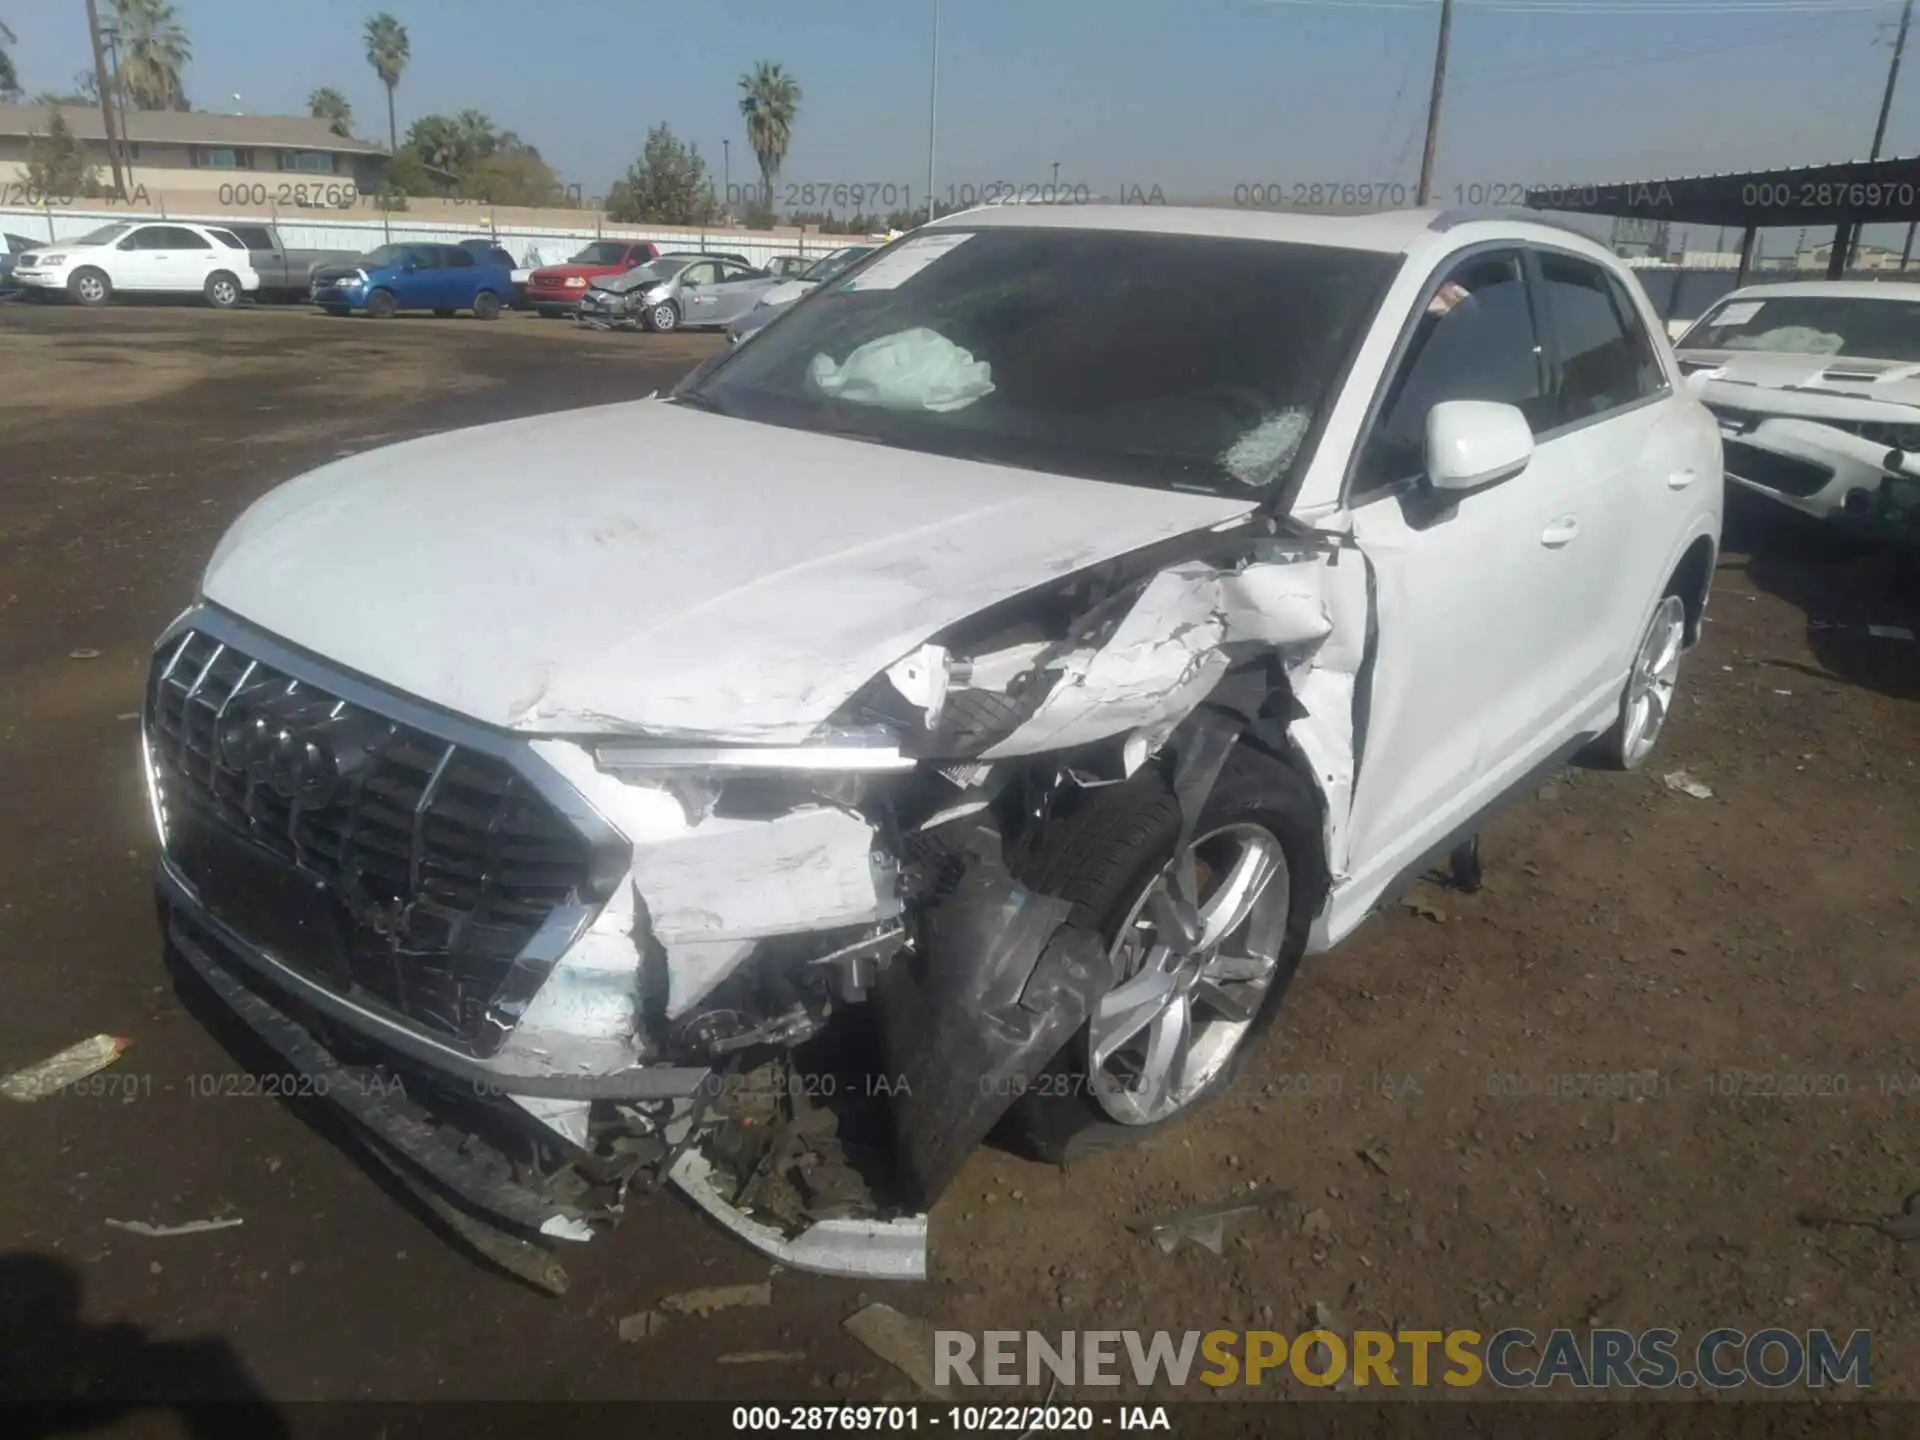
<point>161,258</point>
<point>1816,387</point>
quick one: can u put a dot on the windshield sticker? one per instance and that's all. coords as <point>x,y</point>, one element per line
<point>1264,452</point>
<point>910,370</point>
<point>1739,314</point>
<point>905,261</point>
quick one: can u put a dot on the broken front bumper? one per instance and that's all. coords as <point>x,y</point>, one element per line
<point>484,1184</point>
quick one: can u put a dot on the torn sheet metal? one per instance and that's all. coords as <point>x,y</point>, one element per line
<point>865,1249</point>
<point>705,892</point>
<point>1168,651</point>
<point>998,985</point>
<point>566,1118</point>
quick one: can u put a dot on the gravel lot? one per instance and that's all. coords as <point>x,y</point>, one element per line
<point>1738,950</point>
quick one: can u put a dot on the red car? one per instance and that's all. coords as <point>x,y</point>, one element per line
<point>556,289</point>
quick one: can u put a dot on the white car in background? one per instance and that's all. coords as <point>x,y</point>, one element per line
<point>834,262</point>
<point>170,257</point>
<point>1816,386</point>
<point>1018,639</point>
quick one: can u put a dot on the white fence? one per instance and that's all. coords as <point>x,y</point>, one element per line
<point>528,245</point>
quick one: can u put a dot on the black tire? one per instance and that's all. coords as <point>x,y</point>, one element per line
<point>336,309</point>
<point>486,306</point>
<point>381,305</point>
<point>89,286</point>
<point>663,318</point>
<point>1100,857</point>
<point>223,290</point>
<point>550,312</point>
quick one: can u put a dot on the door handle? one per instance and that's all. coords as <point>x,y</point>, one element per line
<point>1679,479</point>
<point>1560,532</point>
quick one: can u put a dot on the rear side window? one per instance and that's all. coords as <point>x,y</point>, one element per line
<point>255,236</point>
<point>1475,340</point>
<point>454,258</point>
<point>226,238</point>
<point>1606,358</point>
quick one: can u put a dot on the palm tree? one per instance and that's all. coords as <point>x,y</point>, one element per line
<point>388,53</point>
<point>157,52</point>
<point>330,105</point>
<point>770,101</point>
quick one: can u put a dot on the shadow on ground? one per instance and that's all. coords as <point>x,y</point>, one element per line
<point>1861,599</point>
<point>62,1376</point>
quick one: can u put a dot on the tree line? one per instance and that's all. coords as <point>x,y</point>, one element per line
<point>463,156</point>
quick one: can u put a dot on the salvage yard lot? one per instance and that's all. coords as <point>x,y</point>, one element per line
<point>1599,1091</point>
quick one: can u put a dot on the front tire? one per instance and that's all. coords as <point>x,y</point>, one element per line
<point>90,286</point>
<point>486,306</point>
<point>381,305</point>
<point>1648,698</point>
<point>222,290</point>
<point>1182,1016</point>
<point>663,318</point>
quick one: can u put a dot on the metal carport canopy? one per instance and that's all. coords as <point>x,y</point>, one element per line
<point>1847,192</point>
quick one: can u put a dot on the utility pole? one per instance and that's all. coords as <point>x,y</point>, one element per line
<point>112,36</point>
<point>726,172</point>
<point>106,100</point>
<point>1433,106</point>
<point>933,107</point>
<point>1886,107</point>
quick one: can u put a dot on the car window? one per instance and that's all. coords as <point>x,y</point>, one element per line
<point>181,239</point>
<point>703,273</point>
<point>226,238</point>
<point>1606,360</point>
<point>144,238</point>
<point>255,236</point>
<point>456,258</point>
<point>425,257</point>
<point>1475,340</point>
<point>741,272</point>
<point>1856,326</point>
<point>1088,353</point>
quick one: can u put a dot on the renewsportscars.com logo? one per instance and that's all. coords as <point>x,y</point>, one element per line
<point>1512,1359</point>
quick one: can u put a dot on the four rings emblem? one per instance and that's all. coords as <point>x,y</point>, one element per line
<point>289,758</point>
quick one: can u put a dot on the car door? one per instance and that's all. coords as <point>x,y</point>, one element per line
<point>1624,467</point>
<point>421,279</point>
<point>458,279</point>
<point>699,294</point>
<point>189,258</point>
<point>1465,670</point>
<point>740,289</point>
<point>140,258</point>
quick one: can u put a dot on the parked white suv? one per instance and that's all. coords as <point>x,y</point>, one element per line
<point>169,257</point>
<point>1021,646</point>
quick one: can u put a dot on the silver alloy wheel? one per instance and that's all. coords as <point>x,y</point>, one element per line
<point>664,318</point>
<point>1656,666</point>
<point>1189,979</point>
<point>90,288</point>
<point>223,292</point>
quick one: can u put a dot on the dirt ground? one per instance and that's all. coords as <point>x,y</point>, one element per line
<point>1746,958</point>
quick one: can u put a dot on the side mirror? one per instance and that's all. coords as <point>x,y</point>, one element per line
<point>1471,443</point>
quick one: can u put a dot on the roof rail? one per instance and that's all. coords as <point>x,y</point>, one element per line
<point>1465,214</point>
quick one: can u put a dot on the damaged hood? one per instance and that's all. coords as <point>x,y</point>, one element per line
<point>1741,372</point>
<point>647,568</point>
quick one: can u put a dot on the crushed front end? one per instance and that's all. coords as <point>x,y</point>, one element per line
<point>545,973</point>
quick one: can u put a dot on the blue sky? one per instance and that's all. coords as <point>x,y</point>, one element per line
<point>1196,96</point>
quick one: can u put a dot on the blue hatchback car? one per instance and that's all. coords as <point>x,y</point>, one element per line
<point>440,278</point>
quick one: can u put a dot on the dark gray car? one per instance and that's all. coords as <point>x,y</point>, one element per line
<point>11,248</point>
<point>284,274</point>
<point>675,291</point>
